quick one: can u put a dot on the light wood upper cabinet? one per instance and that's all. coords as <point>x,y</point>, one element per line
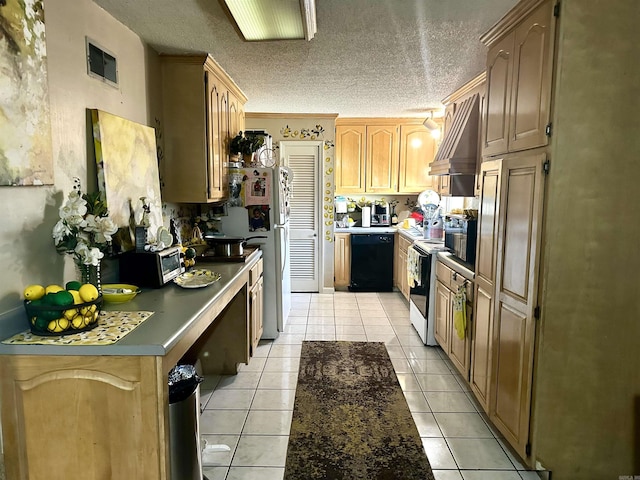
<point>202,106</point>
<point>417,149</point>
<point>519,68</point>
<point>350,159</point>
<point>499,68</point>
<point>382,159</point>
<point>342,260</point>
<point>379,156</point>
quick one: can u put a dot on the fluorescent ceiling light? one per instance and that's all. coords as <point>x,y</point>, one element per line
<point>259,20</point>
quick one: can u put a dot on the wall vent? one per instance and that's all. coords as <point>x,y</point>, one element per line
<point>101,64</point>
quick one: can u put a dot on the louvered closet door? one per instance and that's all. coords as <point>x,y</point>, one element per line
<point>303,158</point>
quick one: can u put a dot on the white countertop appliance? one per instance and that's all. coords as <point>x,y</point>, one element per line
<point>422,293</point>
<point>275,185</point>
<point>366,216</point>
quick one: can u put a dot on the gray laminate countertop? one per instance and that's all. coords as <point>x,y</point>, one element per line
<point>175,309</point>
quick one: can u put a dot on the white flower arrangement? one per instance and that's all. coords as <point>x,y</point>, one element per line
<point>84,229</point>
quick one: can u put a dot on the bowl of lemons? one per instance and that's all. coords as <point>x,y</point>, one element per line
<point>119,292</point>
<point>57,310</point>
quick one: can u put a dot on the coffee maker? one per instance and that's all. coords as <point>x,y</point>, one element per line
<point>380,215</point>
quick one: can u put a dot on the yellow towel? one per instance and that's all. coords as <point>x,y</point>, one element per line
<point>460,312</point>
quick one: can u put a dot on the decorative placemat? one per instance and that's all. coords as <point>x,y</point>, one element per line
<point>112,326</point>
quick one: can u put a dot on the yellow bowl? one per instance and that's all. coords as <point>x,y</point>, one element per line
<point>118,292</point>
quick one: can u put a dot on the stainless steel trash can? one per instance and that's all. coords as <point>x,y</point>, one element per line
<point>184,438</point>
<point>184,423</point>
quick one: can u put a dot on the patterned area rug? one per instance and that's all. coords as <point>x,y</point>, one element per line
<point>350,418</point>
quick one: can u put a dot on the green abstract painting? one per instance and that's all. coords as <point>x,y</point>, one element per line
<point>25,131</point>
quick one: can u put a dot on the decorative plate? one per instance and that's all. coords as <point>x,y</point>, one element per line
<point>197,278</point>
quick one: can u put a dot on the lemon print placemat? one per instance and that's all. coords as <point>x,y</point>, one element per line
<point>112,326</point>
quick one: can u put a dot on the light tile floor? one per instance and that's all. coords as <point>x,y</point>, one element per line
<point>251,411</point>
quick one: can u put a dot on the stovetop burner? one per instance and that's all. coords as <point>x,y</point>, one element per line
<point>208,256</point>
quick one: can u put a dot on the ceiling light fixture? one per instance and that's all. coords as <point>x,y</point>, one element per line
<point>263,20</point>
<point>433,127</point>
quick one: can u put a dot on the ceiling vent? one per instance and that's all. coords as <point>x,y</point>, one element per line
<point>458,152</point>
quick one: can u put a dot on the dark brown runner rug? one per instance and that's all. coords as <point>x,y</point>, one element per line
<point>350,418</point>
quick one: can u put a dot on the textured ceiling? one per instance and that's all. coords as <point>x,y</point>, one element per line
<point>369,58</point>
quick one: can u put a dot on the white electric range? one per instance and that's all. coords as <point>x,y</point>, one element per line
<point>422,257</point>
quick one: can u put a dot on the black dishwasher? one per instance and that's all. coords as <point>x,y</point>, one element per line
<point>371,262</point>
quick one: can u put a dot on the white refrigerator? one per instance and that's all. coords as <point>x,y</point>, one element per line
<point>264,210</point>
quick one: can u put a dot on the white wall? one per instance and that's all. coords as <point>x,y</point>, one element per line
<point>27,216</point>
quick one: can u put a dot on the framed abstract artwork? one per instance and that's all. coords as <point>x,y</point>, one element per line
<point>128,175</point>
<point>25,130</point>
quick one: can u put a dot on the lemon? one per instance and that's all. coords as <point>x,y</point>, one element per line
<point>70,314</point>
<point>53,288</point>
<point>54,326</point>
<point>78,322</point>
<point>63,324</point>
<point>76,297</point>
<point>34,292</point>
<point>88,292</point>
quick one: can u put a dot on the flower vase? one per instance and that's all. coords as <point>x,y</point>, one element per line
<point>91,274</point>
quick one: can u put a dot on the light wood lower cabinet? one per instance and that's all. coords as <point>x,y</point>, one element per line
<point>256,304</point>
<point>400,273</point>
<point>441,325</point>
<point>342,260</point>
<point>458,349</point>
<point>85,417</point>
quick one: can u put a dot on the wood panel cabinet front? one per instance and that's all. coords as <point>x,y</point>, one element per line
<point>84,417</point>
<point>519,76</point>
<point>481,345</point>
<point>442,309</point>
<point>382,159</point>
<point>342,260</point>
<point>256,304</point>
<point>459,350</point>
<point>201,106</point>
<point>499,71</point>
<point>350,159</point>
<point>417,150</point>
<point>518,255</point>
<point>401,266</point>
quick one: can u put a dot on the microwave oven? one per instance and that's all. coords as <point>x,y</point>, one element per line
<point>460,236</point>
<point>151,269</point>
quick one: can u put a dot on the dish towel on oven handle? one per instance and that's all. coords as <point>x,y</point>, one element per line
<point>413,267</point>
<point>460,311</point>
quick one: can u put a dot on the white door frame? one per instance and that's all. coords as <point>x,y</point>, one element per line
<point>319,148</point>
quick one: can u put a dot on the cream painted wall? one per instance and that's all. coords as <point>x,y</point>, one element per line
<point>27,254</point>
<point>283,127</point>
<point>587,399</point>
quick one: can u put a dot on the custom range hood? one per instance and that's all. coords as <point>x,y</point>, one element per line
<point>458,152</point>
